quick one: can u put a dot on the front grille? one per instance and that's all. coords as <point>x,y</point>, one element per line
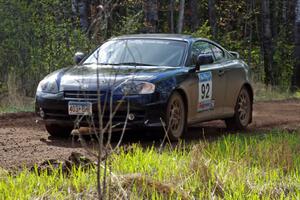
<point>83,95</point>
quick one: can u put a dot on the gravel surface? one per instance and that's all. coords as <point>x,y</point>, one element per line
<point>24,140</point>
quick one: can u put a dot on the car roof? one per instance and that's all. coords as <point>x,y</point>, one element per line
<point>158,36</point>
<point>166,36</point>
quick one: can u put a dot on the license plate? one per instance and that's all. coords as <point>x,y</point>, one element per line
<point>80,108</point>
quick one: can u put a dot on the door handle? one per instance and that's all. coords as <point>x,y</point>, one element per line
<point>221,72</point>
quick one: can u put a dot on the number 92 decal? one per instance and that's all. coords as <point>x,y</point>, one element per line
<point>205,91</point>
<point>205,101</point>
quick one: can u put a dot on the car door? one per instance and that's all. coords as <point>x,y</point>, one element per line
<point>236,76</point>
<point>211,82</point>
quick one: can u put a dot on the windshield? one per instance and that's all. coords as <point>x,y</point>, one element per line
<point>139,52</point>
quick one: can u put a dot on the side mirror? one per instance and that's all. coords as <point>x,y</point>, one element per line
<point>234,54</point>
<point>204,59</point>
<point>78,57</point>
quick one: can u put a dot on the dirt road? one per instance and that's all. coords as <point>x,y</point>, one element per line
<point>24,142</point>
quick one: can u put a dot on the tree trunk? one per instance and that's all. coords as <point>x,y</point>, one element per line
<point>151,16</point>
<point>267,45</point>
<point>171,16</point>
<point>181,17</point>
<point>194,15</point>
<point>296,72</point>
<point>249,29</point>
<point>284,11</point>
<point>81,9</point>
<point>275,19</point>
<point>212,17</point>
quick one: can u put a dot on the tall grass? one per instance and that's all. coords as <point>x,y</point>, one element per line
<point>12,104</point>
<point>268,93</point>
<point>15,109</point>
<point>261,166</point>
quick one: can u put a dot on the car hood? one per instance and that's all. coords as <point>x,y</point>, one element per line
<point>85,77</point>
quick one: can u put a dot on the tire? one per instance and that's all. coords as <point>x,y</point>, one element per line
<point>242,112</point>
<point>175,117</point>
<point>58,131</point>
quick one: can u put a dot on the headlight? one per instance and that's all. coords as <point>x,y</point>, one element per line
<point>48,86</point>
<point>137,87</point>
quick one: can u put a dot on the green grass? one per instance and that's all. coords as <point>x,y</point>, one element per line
<point>268,93</point>
<point>260,166</point>
<point>15,109</point>
<point>16,104</point>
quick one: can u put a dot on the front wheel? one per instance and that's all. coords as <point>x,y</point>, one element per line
<point>175,117</point>
<point>242,112</point>
<point>58,130</point>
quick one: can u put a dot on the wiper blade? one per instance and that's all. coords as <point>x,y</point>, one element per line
<point>98,63</point>
<point>124,63</point>
<point>88,63</point>
<point>132,63</point>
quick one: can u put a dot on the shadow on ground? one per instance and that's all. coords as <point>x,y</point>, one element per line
<point>204,131</point>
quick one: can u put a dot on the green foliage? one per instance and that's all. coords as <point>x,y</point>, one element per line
<point>38,37</point>
<point>256,166</point>
<point>204,31</point>
<point>129,24</point>
<point>239,29</point>
<point>284,62</point>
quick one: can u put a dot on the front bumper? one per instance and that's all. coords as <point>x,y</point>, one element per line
<point>146,109</point>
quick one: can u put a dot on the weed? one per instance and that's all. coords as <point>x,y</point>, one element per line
<point>261,166</point>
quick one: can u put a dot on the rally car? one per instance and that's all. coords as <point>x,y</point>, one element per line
<point>148,80</point>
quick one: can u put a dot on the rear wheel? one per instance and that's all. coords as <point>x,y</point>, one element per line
<point>242,112</point>
<point>175,117</point>
<point>58,130</point>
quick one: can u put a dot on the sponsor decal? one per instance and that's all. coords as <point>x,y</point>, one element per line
<point>205,101</point>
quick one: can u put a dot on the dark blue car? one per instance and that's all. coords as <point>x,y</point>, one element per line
<point>148,80</point>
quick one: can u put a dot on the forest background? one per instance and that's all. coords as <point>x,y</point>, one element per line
<point>40,36</point>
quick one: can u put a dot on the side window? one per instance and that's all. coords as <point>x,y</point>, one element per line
<point>218,53</point>
<point>198,48</point>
